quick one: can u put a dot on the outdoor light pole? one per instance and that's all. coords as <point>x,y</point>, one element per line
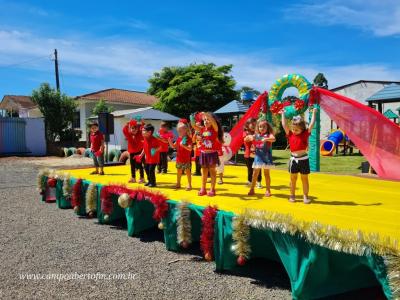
<point>56,69</point>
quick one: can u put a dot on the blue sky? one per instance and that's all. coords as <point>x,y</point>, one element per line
<point>105,44</point>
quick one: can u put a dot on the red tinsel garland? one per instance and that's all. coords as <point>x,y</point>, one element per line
<point>156,198</point>
<point>207,231</point>
<point>161,206</point>
<point>76,193</point>
<point>52,182</point>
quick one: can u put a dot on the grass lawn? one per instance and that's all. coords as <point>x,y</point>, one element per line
<point>333,164</point>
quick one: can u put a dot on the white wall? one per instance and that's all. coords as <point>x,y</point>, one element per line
<point>117,140</point>
<point>359,92</point>
<point>85,108</point>
<point>35,136</point>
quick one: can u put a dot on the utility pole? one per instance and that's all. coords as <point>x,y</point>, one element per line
<point>56,70</point>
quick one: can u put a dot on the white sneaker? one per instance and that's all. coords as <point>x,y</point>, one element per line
<point>259,185</point>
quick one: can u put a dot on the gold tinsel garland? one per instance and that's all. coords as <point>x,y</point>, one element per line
<point>184,226</point>
<point>327,236</point>
<point>240,236</point>
<point>393,274</point>
<point>67,189</point>
<point>41,184</point>
<point>91,193</point>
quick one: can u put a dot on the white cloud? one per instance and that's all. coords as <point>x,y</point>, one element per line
<point>131,63</point>
<point>382,18</point>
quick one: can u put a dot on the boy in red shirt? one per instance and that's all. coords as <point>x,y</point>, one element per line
<point>134,137</point>
<point>151,151</point>
<point>164,135</point>
<point>97,148</point>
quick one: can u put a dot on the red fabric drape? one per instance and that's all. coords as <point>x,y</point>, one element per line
<point>377,137</point>
<point>237,131</point>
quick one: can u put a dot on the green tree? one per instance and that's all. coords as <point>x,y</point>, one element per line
<point>102,106</point>
<point>196,87</point>
<point>58,112</point>
<point>321,81</point>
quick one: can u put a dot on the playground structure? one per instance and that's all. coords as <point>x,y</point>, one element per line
<point>342,241</point>
<point>329,145</point>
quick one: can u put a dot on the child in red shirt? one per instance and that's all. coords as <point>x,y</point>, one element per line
<point>297,136</point>
<point>183,146</point>
<point>164,134</point>
<point>249,150</point>
<point>134,137</point>
<point>97,148</point>
<point>211,139</point>
<point>151,151</point>
<point>197,145</point>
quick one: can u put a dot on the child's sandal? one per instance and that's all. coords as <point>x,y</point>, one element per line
<point>211,193</point>
<point>292,199</point>
<point>268,193</point>
<point>188,188</point>
<point>202,192</point>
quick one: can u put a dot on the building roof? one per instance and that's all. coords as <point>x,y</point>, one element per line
<point>16,102</point>
<point>120,96</point>
<point>147,113</point>
<point>363,81</point>
<point>234,106</point>
<point>390,92</point>
<point>390,114</point>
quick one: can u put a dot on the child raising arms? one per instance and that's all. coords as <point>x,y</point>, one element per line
<point>211,139</point>
<point>183,146</point>
<point>262,141</point>
<point>297,135</point>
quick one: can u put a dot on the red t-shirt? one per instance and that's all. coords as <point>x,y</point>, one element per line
<point>135,142</point>
<point>148,144</point>
<point>183,156</point>
<point>209,140</point>
<point>96,139</point>
<point>197,142</point>
<point>298,142</point>
<point>247,146</point>
<point>165,135</point>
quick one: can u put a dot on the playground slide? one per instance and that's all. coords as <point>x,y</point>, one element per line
<point>328,146</point>
<point>377,137</point>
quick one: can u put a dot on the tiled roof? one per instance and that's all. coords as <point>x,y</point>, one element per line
<point>22,101</point>
<point>391,91</point>
<point>121,96</point>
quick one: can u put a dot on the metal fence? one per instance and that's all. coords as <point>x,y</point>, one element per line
<point>12,136</point>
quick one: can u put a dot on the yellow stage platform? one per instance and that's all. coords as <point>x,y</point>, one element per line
<point>348,202</point>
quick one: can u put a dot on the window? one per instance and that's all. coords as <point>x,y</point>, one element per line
<point>76,122</point>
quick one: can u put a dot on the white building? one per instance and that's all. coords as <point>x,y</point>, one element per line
<point>119,99</point>
<point>359,91</point>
